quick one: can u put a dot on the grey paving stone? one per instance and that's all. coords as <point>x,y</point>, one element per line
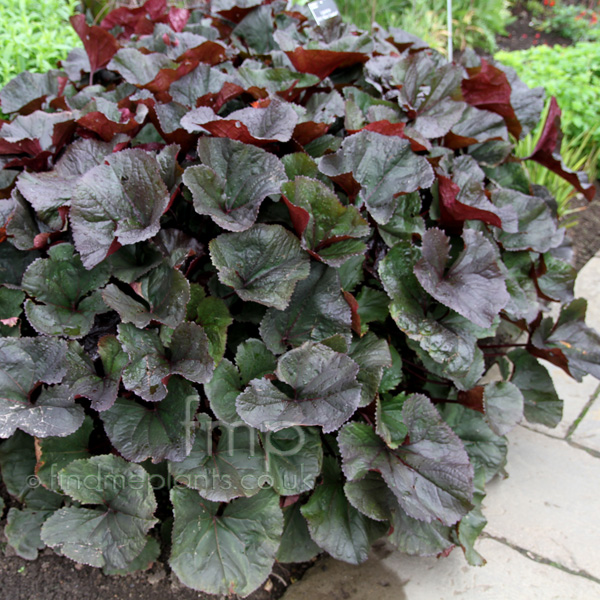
<point>587,286</point>
<point>393,576</point>
<point>574,395</point>
<point>550,503</point>
<point>588,431</point>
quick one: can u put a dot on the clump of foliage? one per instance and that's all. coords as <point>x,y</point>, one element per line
<point>576,22</point>
<point>252,274</point>
<point>571,75</point>
<point>578,154</point>
<point>34,35</point>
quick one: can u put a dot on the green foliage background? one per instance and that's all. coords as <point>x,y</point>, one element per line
<point>34,35</point>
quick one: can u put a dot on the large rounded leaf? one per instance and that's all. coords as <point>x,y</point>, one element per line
<point>262,264</point>
<point>113,533</point>
<point>164,432</point>
<point>66,294</point>
<point>431,475</point>
<point>320,389</point>
<point>228,553</point>
<point>25,362</point>
<point>335,525</point>
<point>232,181</point>
<point>122,199</point>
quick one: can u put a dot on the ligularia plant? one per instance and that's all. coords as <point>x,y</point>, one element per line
<point>253,273</point>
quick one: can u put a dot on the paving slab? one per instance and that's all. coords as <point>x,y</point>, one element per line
<point>550,503</point>
<point>389,575</point>
<point>587,433</point>
<point>587,285</point>
<point>574,395</point>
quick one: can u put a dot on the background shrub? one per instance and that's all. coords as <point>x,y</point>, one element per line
<point>571,74</point>
<point>34,35</point>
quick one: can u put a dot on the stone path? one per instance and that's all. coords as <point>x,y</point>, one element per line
<point>542,540</point>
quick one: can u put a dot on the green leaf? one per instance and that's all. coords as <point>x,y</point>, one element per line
<point>317,311</point>
<point>486,450</point>
<point>373,305</point>
<point>449,340</point>
<point>537,228</point>
<point>10,303</point>
<point>372,355</point>
<point>82,378</point>
<point>390,426</point>
<point>122,199</point>
<point>431,475</point>
<point>323,391</point>
<point>113,533</point>
<point>473,523</point>
<point>163,296</point>
<point>573,339</point>
<point>163,432</point>
<point>54,453</point>
<point>213,315</point>
<point>232,181</point>
<point>232,467</point>
<point>253,361</point>
<point>384,166</point>
<point>22,531</point>
<point>542,404</point>
<point>18,464</point>
<point>335,525</point>
<point>296,543</point>
<point>473,286</point>
<point>326,226</point>
<point>66,294</point>
<point>150,362</point>
<point>25,362</point>
<point>247,534</point>
<point>129,263</point>
<point>392,375</point>
<point>294,459</point>
<point>373,498</point>
<point>262,264</point>
<point>142,562</point>
<point>503,404</point>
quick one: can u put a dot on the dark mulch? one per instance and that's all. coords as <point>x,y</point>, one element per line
<point>585,235</point>
<point>53,577</point>
<point>521,35</point>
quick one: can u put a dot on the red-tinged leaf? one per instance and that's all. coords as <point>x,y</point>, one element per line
<point>488,88</point>
<point>547,153</point>
<point>178,18</point>
<point>324,62</point>
<point>105,128</point>
<point>133,20</point>
<point>299,217</point>
<point>353,304</point>
<point>99,45</point>
<point>306,132</point>
<point>398,129</point>
<point>454,211</point>
<point>259,126</point>
<point>473,398</point>
<point>228,92</point>
<point>386,128</point>
<point>209,53</point>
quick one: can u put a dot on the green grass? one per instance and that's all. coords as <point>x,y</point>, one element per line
<point>34,35</point>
